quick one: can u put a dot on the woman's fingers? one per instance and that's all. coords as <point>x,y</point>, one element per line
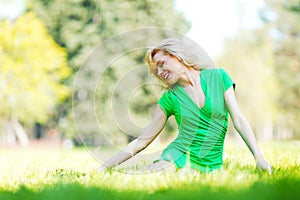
<point>264,165</point>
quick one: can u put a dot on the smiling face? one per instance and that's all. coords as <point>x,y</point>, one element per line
<point>168,68</point>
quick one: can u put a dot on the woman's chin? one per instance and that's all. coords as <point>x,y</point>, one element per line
<point>171,83</point>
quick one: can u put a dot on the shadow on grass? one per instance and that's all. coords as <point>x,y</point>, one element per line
<point>283,189</point>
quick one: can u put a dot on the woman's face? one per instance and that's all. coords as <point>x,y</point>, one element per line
<point>168,68</point>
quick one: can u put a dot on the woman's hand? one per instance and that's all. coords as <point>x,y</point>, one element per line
<point>262,164</point>
<point>148,135</point>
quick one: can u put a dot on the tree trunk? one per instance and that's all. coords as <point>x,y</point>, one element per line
<point>14,132</point>
<point>9,137</point>
<point>37,131</point>
<point>20,132</point>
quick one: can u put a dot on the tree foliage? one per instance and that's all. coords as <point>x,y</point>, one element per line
<point>82,25</point>
<point>286,39</point>
<point>266,65</point>
<point>32,68</point>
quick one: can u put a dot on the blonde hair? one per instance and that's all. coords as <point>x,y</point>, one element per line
<point>189,54</point>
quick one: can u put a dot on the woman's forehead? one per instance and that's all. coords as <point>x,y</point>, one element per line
<point>159,55</point>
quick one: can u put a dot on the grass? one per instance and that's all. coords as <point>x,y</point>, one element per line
<point>70,174</point>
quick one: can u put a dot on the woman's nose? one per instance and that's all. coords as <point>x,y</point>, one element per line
<point>159,71</point>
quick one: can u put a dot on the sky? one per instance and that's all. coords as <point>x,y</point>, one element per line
<point>11,8</point>
<point>214,20</point>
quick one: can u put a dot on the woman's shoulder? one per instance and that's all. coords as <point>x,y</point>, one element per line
<point>172,92</point>
<point>168,92</point>
<point>219,75</point>
<point>221,72</point>
<point>214,70</point>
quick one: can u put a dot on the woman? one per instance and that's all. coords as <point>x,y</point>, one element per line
<point>200,97</point>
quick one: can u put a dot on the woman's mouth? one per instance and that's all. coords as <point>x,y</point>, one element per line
<point>167,75</point>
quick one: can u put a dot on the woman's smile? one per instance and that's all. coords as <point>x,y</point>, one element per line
<point>165,75</point>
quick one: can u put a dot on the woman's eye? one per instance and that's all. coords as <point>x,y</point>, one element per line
<point>160,64</point>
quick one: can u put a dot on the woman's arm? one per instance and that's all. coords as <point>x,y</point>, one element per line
<point>243,127</point>
<point>148,135</point>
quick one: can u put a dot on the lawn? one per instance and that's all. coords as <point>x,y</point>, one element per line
<point>70,174</point>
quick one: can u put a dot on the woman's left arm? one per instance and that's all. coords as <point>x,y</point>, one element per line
<point>243,127</point>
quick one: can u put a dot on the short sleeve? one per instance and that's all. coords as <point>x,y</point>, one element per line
<point>166,103</point>
<point>227,81</point>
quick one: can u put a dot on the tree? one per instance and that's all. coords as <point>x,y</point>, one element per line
<point>81,25</point>
<point>284,16</point>
<point>271,55</point>
<point>32,68</point>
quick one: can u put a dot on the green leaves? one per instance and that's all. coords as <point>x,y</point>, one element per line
<point>82,25</point>
<point>32,67</point>
<point>266,68</point>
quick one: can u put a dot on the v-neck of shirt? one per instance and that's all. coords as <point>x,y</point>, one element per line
<point>189,97</point>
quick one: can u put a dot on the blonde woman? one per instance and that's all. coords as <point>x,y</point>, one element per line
<point>200,97</point>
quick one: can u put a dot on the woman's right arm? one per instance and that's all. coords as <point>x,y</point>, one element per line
<point>148,135</point>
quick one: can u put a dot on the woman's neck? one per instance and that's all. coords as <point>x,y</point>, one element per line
<point>190,77</point>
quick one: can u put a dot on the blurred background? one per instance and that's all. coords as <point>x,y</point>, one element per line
<point>43,44</point>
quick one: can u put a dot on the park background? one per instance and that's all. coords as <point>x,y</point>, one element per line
<point>44,44</point>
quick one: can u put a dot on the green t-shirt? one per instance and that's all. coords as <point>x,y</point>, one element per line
<point>201,131</point>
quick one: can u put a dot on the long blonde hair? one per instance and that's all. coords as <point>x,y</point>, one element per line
<point>190,54</point>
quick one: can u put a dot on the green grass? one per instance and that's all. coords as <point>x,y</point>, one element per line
<point>70,174</point>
